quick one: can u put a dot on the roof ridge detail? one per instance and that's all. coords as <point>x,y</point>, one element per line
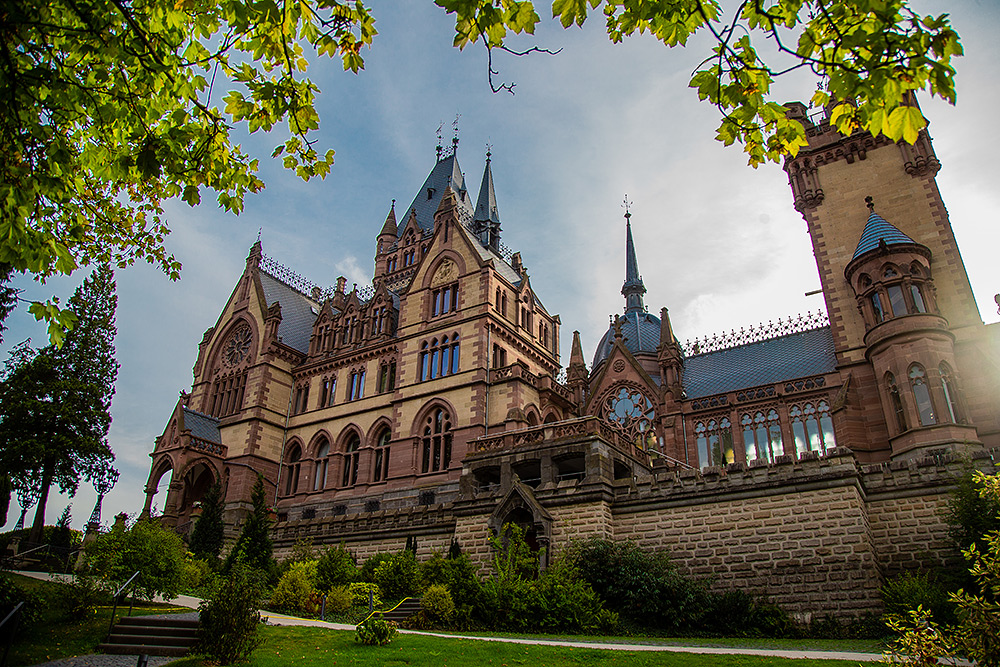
<point>756,334</point>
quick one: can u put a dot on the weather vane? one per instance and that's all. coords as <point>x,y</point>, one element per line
<point>489,150</point>
<point>440,148</point>
<point>626,204</point>
<point>454,139</point>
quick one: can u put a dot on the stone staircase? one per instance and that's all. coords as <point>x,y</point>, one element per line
<point>148,635</point>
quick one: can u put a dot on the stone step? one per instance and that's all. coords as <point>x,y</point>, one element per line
<point>143,649</point>
<point>151,636</point>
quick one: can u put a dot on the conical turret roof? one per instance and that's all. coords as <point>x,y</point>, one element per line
<point>486,206</point>
<point>879,229</point>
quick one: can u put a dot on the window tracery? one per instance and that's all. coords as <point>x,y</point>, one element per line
<point>762,435</point>
<point>322,467</point>
<point>715,442</point>
<point>292,465</point>
<point>439,357</point>
<point>381,468</point>
<point>631,413</point>
<point>812,427</point>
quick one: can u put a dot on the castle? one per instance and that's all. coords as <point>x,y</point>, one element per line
<point>806,460</point>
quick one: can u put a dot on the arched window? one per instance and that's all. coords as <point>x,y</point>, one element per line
<point>387,376</point>
<point>439,357</point>
<point>922,395</point>
<point>380,472</point>
<point>436,441</point>
<point>762,435</point>
<point>896,401</point>
<point>293,461</point>
<point>715,442</point>
<point>812,427</point>
<point>350,476</point>
<point>918,299</point>
<point>950,392</point>
<point>322,466</point>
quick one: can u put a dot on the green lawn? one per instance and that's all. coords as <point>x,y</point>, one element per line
<point>318,647</point>
<point>56,637</point>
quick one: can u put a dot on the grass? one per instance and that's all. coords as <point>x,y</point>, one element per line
<point>55,636</point>
<point>319,647</point>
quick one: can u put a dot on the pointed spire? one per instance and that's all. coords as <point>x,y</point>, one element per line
<point>256,254</point>
<point>666,331</point>
<point>632,289</point>
<point>390,221</point>
<point>576,353</point>
<point>487,217</point>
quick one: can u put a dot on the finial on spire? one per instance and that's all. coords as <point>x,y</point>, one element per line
<point>870,203</point>
<point>627,205</point>
<point>454,138</point>
<point>259,230</point>
<point>393,206</point>
<point>489,151</point>
<point>440,148</point>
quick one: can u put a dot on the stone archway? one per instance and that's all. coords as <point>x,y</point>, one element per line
<point>521,508</point>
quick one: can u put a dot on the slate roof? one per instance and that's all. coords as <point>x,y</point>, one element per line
<point>876,229</point>
<point>640,335</point>
<point>298,312</point>
<point>446,172</point>
<point>765,362</point>
<point>202,426</point>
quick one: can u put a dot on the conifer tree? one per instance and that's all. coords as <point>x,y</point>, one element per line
<point>209,531</point>
<point>253,547</point>
<point>55,402</point>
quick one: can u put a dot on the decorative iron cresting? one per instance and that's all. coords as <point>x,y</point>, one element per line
<point>305,286</point>
<point>756,334</point>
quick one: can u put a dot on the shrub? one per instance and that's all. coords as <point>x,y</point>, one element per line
<point>296,590</point>
<point>339,600</point>
<point>336,567</point>
<point>147,547</point>
<point>367,572</point>
<point>971,515</point>
<point>436,605</point>
<point>230,621</point>
<point>10,596</point>
<point>196,575</point>
<point>376,632</point>
<point>398,576</point>
<point>917,589</point>
<point>360,591</point>
<point>80,598</point>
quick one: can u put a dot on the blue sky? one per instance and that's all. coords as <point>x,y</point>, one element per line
<point>717,242</point>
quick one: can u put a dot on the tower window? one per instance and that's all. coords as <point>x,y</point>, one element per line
<point>922,395</point>
<point>896,301</point>
<point>896,401</point>
<point>950,392</point>
<point>918,299</point>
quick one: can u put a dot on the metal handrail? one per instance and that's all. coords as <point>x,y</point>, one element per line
<point>386,611</point>
<point>114,609</point>
<point>13,632</point>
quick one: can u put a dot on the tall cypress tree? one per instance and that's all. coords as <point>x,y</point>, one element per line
<point>55,402</point>
<point>253,547</point>
<point>209,531</point>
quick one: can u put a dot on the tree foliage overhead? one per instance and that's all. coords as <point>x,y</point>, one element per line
<point>869,57</point>
<point>108,108</point>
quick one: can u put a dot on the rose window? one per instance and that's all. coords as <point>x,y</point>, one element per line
<point>632,414</point>
<point>237,345</point>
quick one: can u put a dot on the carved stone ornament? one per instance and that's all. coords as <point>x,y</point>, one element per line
<point>237,345</point>
<point>446,273</point>
<point>619,366</point>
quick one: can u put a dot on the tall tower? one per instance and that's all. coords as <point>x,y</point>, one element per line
<point>935,324</point>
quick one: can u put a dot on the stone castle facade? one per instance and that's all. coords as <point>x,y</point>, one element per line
<point>806,460</point>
